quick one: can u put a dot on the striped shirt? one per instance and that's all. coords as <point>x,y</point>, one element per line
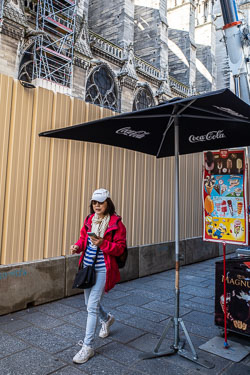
<point>90,254</point>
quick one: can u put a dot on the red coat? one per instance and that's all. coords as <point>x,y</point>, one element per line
<point>109,249</point>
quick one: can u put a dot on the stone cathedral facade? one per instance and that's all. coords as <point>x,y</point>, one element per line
<point>121,54</point>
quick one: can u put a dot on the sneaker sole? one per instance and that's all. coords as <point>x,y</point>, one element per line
<point>81,362</point>
<point>111,322</point>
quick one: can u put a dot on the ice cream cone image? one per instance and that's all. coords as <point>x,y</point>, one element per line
<point>237,227</point>
<point>209,184</point>
<point>209,189</point>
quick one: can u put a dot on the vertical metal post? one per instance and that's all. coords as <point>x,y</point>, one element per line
<point>177,265</point>
<point>225,296</point>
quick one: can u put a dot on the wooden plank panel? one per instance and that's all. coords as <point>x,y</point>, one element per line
<point>117,178</point>
<point>17,175</point>
<point>6,84</point>
<point>149,203</point>
<point>158,207</point>
<point>168,201</point>
<point>72,211</point>
<point>56,180</point>
<point>139,199</point>
<point>128,169</point>
<point>47,184</point>
<point>38,176</point>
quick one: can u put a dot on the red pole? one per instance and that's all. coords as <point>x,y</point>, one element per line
<point>225,297</point>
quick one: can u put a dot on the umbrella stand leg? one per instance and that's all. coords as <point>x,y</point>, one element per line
<point>155,353</point>
<point>177,347</point>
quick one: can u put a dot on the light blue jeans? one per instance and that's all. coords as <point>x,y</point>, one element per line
<point>93,298</point>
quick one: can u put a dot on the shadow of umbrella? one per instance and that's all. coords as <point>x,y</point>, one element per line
<point>211,121</point>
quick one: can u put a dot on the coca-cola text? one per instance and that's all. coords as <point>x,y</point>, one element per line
<point>211,136</point>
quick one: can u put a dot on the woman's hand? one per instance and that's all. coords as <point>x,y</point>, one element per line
<point>97,241</point>
<point>73,249</point>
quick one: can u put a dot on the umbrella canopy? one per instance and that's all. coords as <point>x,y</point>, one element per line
<point>210,121</point>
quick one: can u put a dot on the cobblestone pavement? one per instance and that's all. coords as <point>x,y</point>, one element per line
<point>43,340</point>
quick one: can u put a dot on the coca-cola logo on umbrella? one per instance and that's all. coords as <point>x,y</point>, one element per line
<point>132,133</point>
<point>210,136</point>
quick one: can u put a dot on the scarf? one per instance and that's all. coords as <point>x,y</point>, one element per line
<point>99,225</point>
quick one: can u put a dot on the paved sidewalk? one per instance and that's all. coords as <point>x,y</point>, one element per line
<point>43,340</point>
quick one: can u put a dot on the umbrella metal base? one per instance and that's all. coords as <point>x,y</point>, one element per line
<point>179,349</point>
<point>200,361</point>
<point>153,354</point>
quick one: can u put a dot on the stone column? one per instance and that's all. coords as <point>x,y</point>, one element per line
<point>182,48</point>
<point>113,20</point>
<point>151,33</point>
<point>205,40</point>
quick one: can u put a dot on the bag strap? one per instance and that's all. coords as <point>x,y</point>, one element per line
<point>98,249</point>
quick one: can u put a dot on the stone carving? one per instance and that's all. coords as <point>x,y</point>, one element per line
<point>129,67</point>
<point>14,11</point>
<point>127,74</point>
<point>164,91</point>
<point>82,44</point>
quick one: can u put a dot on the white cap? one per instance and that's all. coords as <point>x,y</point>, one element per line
<point>100,195</point>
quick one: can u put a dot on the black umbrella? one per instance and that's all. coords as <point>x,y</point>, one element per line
<point>207,122</point>
<point>210,121</point>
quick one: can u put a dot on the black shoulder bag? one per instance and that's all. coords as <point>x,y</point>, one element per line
<point>86,276</point>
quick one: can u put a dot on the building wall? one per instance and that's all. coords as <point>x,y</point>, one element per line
<point>46,184</point>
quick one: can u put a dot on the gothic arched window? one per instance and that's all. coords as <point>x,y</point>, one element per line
<point>101,89</point>
<point>143,99</point>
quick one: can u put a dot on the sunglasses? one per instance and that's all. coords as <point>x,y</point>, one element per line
<point>94,203</point>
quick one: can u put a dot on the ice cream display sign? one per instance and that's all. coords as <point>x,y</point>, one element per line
<point>224,197</point>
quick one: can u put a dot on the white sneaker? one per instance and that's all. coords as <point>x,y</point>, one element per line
<point>84,354</point>
<point>104,331</point>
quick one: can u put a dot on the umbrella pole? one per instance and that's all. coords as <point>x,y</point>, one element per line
<point>177,236</point>
<point>177,346</point>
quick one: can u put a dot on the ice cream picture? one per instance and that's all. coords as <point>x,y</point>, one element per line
<point>237,227</point>
<point>238,192</point>
<point>230,205</point>
<point>219,166</point>
<point>217,205</point>
<point>209,184</point>
<point>223,207</point>
<point>209,161</point>
<point>239,164</point>
<point>239,207</point>
<point>229,165</point>
<point>209,205</point>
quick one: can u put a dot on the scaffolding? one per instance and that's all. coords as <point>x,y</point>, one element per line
<point>1,13</point>
<point>53,55</point>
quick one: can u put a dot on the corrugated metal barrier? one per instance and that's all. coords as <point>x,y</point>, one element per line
<point>46,184</point>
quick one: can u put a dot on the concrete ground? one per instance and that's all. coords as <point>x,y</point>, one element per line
<point>43,340</point>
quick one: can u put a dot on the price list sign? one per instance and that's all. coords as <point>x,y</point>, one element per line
<point>225,216</point>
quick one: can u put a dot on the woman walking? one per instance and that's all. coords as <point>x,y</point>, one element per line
<point>108,233</point>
